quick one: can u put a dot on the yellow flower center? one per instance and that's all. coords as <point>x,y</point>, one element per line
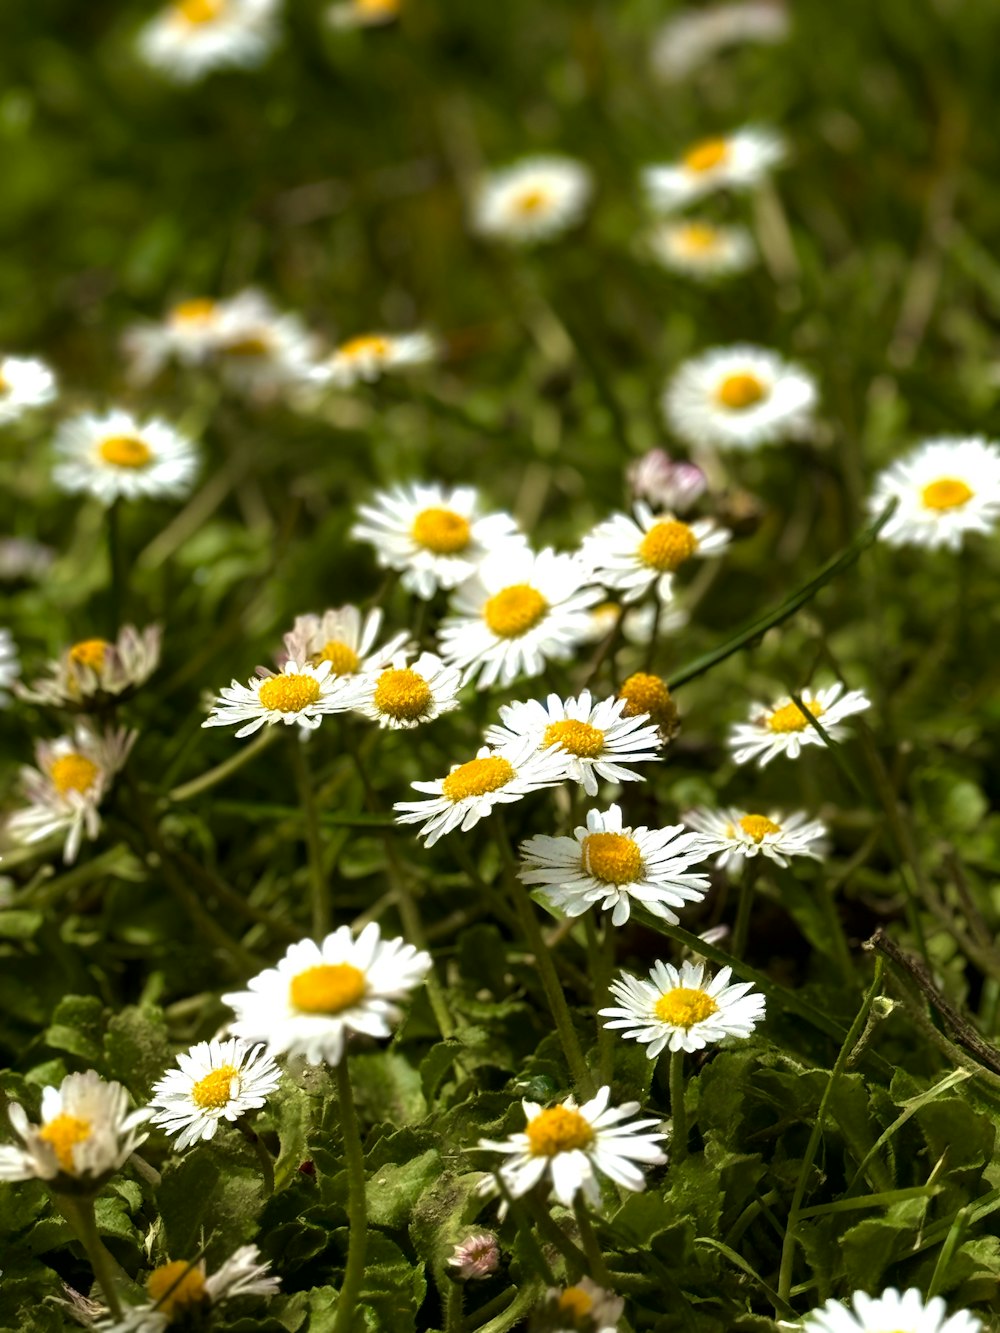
<point>441,531</point>
<point>741,391</point>
<point>946,493</point>
<point>706,154</point>
<point>575,1302</point>
<point>758,827</point>
<point>176,1287</point>
<point>369,344</point>
<point>558,1129</point>
<point>62,1134</point>
<point>530,202</point>
<point>89,653</point>
<point>200,11</point>
<point>789,717</point>
<point>697,238</point>
<point>579,738</point>
<point>477,777</point>
<point>377,8</point>
<point>613,858</point>
<point>644,693</point>
<point>290,693</point>
<point>215,1089</point>
<point>4,383</point>
<point>328,988</point>
<point>125,451</point>
<point>343,660</point>
<point>667,545</point>
<point>252,345</point>
<point>684,1006</point>
<point>200,310</point>
<point>513,611</point>
<point>72,772</point>
<point>402,694</point>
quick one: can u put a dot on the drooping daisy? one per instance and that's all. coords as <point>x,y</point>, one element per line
<point>532,200</point>
<point>401,695</point>
<point>572,1146</point>
<point>371,355</point>
<point>116,456</point>
<point>607,865</point>
<point>471,790</point>
<point>188,333</point>
<point>97,670</point>
<point>781,727</point>
<point>24,383</point>
<point>319,993</point>
<point>737,834</point>
<point>10,665</point>
<point>701,249</point>
<point>345,638</point>
<point>682,1010</point>
<point>735,161</point>
<point>87,1132</point>
<point>583,1308</point>
<point>363,13</point>
<point>437,535</point>
<point>691,38</point>
<point>906,1313</point>
<point>645,693</point>
<point>259,350</point>
<point>666,483</point>
<point>943,489</point>
<point>596,740</point>
<point>215,1080</point>
<point>739,398</point>
<point>635,555</point>
<point>300,695</point>
<point>190,38</point>
<point>183,1289</point>
<point>520,610</point>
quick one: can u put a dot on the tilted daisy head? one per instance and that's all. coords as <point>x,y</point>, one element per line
<point>345,638</point>
<point>890,1313</point>
<point>944,489</point>
<point>184,1289</point>
<point>635,555</point>
<point>682,1010</point>
<point>693,36</point>
<point>116,456</point>
<point>91,672</point>
<point>401,695</point>
<point>301,695</point>
<point>532,200</point>
<point>190,38</point>
<point>582,1308</point>
<point>701,249</point>
<point>369,356</point>
<point>735,161</point>
<point>24,384</point>
<point>643,692</point>
<point>213,1081</point>
<point>738,398</point>
<point>737,834</point>
<point>783,727</point>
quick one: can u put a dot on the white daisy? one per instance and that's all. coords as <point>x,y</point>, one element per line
<point>190,38</point>
<point>345,638</point>
<point>532,200</point>
<point>183,1289</point>
<point>215,1080</point>
<point>682,1010</point>
<point>471,790</point>
<point>738,398</point>
<point>572,1146</point>
<point>301,695</point>
<point>10,665</point>
<point>735,161</point>
<point>645,693</point>
<point>943,489</point>
<point>97,670</point>
<point>635,555</point>
<point>437,535</point>
<point>737,834</point>
<point>781,727</point>
<point>638,623</point>
<point>520,610</point>
<point>116,456</point>
<point>371,355</point>
<point>261,351</point>
<point>363,13</point>
<point>890,1313</point>
<point>87,1132</point>
<point>188,334</point>
<point>666,483</point>
<point>319,993</point>
<point>701,249</point>
<point>24,384</point>
<point>583,1308</point>
<point>691,38</point>
<point>401,695</point>
<point>607,865</point>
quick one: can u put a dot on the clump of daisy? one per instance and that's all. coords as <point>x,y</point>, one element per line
<point>190,38</point>
<point>25,383</point>
<point>532,200</point>
<point>700,249</point>
<point>608,865</point>
<point>666,483</point>
<point>10,665</point>
<point>736,161</point>
<point>213,1081</point>
<point>582,1308</point>
<point>475,1258</point>
<point>739,398</point>
<point>116,456</point>
<point>737,834</point>
<point>345,638</point>
<point>906,1313</point>
<point>184,1289</point>
<point>369,356</point>
<point>401,695</point>
<point>649,694</point>
<point>683,1010</point>
<point>635,555</point>
<point>783,728</point>
<point>363,13</point>
<point>96,671</point>
<point>692,37</point>
<point>945,488</point>
<point>296,695</point>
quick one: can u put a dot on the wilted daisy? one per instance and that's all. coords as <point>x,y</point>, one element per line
<point>572,1146</point>
<point>302,695</point>
<point>10,665</point>
<point>666,483</point>
<point>943,489</point>
<point>190,38</point>
<point>188,333</point>
<point>635,555</point>
<point>737,834</point>
<point>401,695</point>
<point>320,993</point>
<point>596,740</point>
<point>906,1313</point>
<point>24,383</point>
<point>519,611</point>
<point>363,13</point>
<point>345,638</point>
<point>583,1308</point>
<point>213,1081</point>
<point>86,1133</point>
<point>116,456</point>
<point>735,161</point>
<point>645,693</point>
<point>260,350</point>
<point>689,39</point>
<point>183,1289</point>
<point>371,355</point>
<point>782,727</point>
<point>608,864</point>
<point>738,398</point>
<point>97,670</point>
<point>701,249</point>
<point>471,790</point>
<point>682,1010</point>
<point>531,200</point>
<point>437,535</point>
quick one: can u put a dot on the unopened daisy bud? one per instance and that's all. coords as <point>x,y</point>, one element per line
<point>667,484</point>
<point>645,693</point>
<point>475,1258</point>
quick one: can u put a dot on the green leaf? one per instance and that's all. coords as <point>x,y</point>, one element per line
<point>78,1027</point>
<point>392,1191</point>
<point>137,1048</point>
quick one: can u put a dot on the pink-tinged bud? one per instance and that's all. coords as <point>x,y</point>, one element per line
<point>476,1257</point>
<point>666,484</point>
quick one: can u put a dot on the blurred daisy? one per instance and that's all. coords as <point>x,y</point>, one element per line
<point>183,1290</point>
<point>666,483</point>
<point>437,535</point>
<point>782,728</point>
<point>24,558</point>
<point>190,38</point>
<point>319,993</point>
<point>401,696</point>
<point>736,834</point>
<point>638,623</point>
<point>645,693</point>
<point>635,555</point>
<point>300,695</point>
<point>596,740</point>
<point>24,384</point>
<point>906,1313</point>
<point>607,865</point>
<point>682,1010</point>
<point>363,13</point>
<point>701,249</point>
<point>471,790</point>
<point>519,611</point>
<point>115,456</point>
<point>736,161</point>
<point>372,355</point>
<point>261,351</point>
<point>188,334</point>
<point>86,1133</point>
<point>214,1081</point>
<point>345,638</point>
<point>572,1146</point>
<point>943,489</point>
<point>97,670</point>
<point>476,1258</point>
<point>583,1308</point>
<point>10,665</point>
<point>532,200</point>
<point>691,38</point>
<point>738,398</point>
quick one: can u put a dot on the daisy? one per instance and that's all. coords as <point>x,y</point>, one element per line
<point>596,740</point>
<point>401,696</point>
<point>635,555</point>
<point>584,1308</point>
<point>645,693</point>
<point>363,13</point>
<point>943,489</point>
<point>184,1289</point>
<point>87,1132</point>
<point>24,558</point>
<point>72,777</point>
<point>906,1313</point>
<point>10,665</point>
<point>190,38</point>
<point>115,456</point>
<point>739,398</point>
<point>691,38</point>
<point>782,728</point>
<point>300,695</point>
<point>97,670</point>
<point>319,993</point>
<point>532,200</point>
<point>638,623</point>
<point>666,483</point>
<point>607,865</point>
<point>701,249</point>
<point>215,1080</point>
<point>682,1010</point>
<point>572,1146</point>
<point>475,1258</point>
<point>737,834</point>
<point>371,355</point>
<point>259,350</point>
<point>520,610</point>
<point>24,384</point>
<point>345,638</point>
<point>735,161</point>
<point>188,334</point>
<point>471,790</point>
<point>437,535</point>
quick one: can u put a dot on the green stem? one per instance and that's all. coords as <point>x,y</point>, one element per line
<point>601,963</point>
<point>79,1213</point>
<point>741,927</point>
<point>454,1307</point>
<point>515,1312</point>
<point>116,578</point>
<point>224,770</point>
<point>598,1268</point>
<point>357,1206</point>
<point>319,885</point>
<point>552,1232</point>
<point>263,1156</point>
<point>678,1114</point>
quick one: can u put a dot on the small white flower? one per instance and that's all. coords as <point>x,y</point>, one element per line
<point>214,1081</point>
<point>782,728</point>
<point>635,555</point>
<point>344,638</point>
<point>906,1313</point>
<point>301,695</point>
<point>188,333</point>
<point>190,38</point>
<point>666,483</point>
<point>259,350</point>
<point>735,161</point>
<point>586,1305</point>
<point>682,1010</point>
<point>319,993</point>
<point>943,489</point>
<point>24,558</point>
<point>532,200</point>
<point>371,355</point>
<point>363,13</point>
<point>738,398</point>
<point>401,695</point>
<point>607,865</point>
<point>24,384</point>
<point>183,1289</point>
<point>97,670</point>
<point>701,249</point>
<point>10,665</point>
<point>737,834</point>
<point>691,38</point>
<point>476,1258</point>
<point>116,456</point>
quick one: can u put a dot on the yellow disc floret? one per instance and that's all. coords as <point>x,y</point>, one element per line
<point>575,1302</point>
<point>685,1006</point>
<point>741,391</point>
<point>289,693</point>
<point>946,493</point>
<point>613,858</point>
<point>530,202</point>
<point>513,611</point>
<point>402,694</point>
<point>477,777</point>
<point>558,1129</point>
<point>199,310</point>
<point>176,1287</point>
<point>758,827</point>
<point>368,344</point>
<point>441,531</point>
<point>327,988</point>
<point>579,738</point>
<point>62,1134</point>
<point>790,717</point>
<point>706,154</point>
<point>89,653</point>
<point>249,346</point>
<point>200,11</point>
<point>343,660</point>
<point>697,238</point>
<point>73,772</point>
<point>125,451</point>
<point>667,545</point>
<point>644,693</point>
<point>216,1088</point>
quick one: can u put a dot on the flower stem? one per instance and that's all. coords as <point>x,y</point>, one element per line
<point>741,927</point>
<point>317,876</point>
<point>598,1268</point>
<point>222,771</point>
<point>79,1213</point>
<point>263,1156</point>
<point>679,1137</point>
<point>515,1312</point>
<point>601,961</point>
<point>357,1207</point>
<point>115,579</point>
